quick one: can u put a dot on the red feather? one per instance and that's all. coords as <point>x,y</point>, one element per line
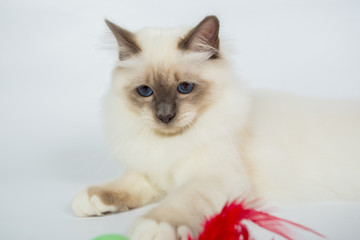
<point>229,224</point>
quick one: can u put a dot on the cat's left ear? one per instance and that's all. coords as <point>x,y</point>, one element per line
<point>204,37</point>
<point>126,41</point>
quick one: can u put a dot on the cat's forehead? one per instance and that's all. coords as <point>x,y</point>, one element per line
<point>166,76</point>
<point>159,44</point>
<point>162,76</point>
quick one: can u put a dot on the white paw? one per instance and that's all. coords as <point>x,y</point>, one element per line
<point>148,229</point>
<point>85,206</point>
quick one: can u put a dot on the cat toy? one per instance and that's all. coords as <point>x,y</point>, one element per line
<point>230,224</point>
<point>111,237</point>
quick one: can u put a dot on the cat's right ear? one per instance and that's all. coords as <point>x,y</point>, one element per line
<point>126,41</point>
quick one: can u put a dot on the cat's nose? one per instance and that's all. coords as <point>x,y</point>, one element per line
<point>165,118</point>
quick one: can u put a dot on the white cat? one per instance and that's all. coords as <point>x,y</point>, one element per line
<point>191,136</point>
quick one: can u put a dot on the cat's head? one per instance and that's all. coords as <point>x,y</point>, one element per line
<point>169,78</point>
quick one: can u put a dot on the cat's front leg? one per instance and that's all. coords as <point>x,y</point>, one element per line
<point>184,210</point>
<point>131,191</point>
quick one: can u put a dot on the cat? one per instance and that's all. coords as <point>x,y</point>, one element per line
<point>192,137</point>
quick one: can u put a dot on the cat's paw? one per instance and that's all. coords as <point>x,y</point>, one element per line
<point>87,205</point>
<point>148,229</point>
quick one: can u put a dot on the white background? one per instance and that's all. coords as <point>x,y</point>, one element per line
<point>55,64</point>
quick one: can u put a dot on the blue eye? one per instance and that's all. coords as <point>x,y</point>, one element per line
<point>185,87</point>
<point>144,91</point>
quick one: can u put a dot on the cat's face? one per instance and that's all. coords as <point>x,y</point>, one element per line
<point>168,99</point>
<point>159,75</point>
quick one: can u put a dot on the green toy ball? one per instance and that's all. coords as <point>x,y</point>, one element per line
<point>111,237</point>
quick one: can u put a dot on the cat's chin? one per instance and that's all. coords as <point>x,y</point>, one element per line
<point>170,130</point>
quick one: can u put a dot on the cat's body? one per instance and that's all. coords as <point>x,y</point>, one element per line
<point>303,149</point>
<point>191,136</point>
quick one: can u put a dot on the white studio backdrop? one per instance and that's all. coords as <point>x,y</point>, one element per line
<point>55,64</point>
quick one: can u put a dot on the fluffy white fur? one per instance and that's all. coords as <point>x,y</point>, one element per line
<point>304,149</point>
<point>273,146</point>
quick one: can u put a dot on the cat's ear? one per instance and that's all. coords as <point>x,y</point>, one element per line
<point>126,41</point>
<point>204,37</point>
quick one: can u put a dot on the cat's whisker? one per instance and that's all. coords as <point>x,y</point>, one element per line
<point>207,142</point>
<point>135,130</point>
<point>130,124</point>
<point>142,134</point>
<point>225,134</point>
